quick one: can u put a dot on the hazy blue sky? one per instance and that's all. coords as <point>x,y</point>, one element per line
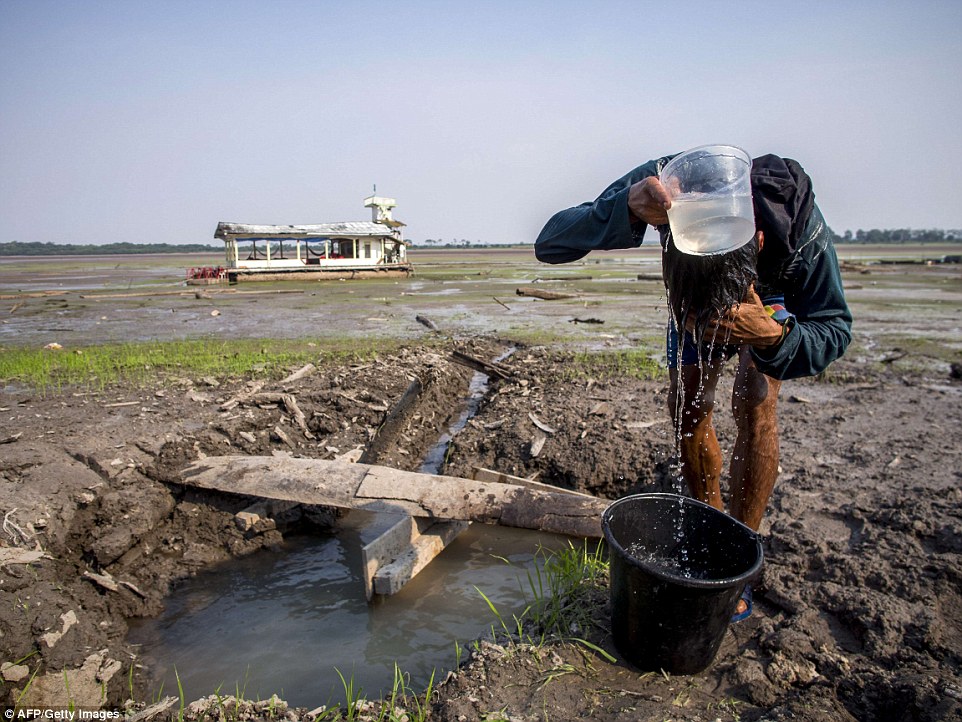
<point>152,121</point>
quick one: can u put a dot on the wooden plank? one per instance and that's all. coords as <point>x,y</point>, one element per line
<point>565,278</point>
<point>34,294</point>
<point>387,547</point>
<point>306,481</point>
<point>432,496</point>
<point>378,488</point>
<point>479,473</point>
<point>394,558</point>
<point>390,578</point>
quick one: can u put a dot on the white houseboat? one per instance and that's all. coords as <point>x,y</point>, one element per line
<point>356,249</point>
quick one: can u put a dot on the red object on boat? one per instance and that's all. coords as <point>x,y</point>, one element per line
<point>213,273</point>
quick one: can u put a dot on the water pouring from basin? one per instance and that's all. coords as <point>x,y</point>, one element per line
<point>677,570</point>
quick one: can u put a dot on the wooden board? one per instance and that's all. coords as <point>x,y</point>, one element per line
<point>383,550</point>
<point>394,558</point>
<point>479,473</point>
<point>391,577</point>
<point>379,488</point>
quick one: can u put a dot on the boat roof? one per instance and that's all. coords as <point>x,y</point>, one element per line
<point>318,230</point>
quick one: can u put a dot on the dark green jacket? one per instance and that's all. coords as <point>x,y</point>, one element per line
<point>809,277</point>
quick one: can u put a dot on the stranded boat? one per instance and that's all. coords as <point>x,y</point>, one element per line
<point>359,249</point>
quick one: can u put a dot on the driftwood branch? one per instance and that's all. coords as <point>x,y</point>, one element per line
<point>544,295</point>
<point>425,321</point>
<point>541,425</point>
<point>113,585</point>
<point>155,709</point>
<point>142,294</point>
<point>564,278</point>
<point>242,397</point>
<point>486,367</point>
<point>894,357</point>
<point>306,370</point>
<point>393,423</point>
<point>288,402</point>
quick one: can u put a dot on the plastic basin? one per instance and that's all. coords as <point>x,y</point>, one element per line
<point>711,199</point>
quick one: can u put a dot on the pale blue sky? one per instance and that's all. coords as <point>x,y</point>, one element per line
<point>152,121</point>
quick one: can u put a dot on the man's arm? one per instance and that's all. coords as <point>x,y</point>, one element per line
<point>822,328</point>
<point>616,219</point>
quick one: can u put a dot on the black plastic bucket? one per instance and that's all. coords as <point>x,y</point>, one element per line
<point>677,570</point>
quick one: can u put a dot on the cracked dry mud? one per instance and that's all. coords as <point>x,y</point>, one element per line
<point>858,614</point>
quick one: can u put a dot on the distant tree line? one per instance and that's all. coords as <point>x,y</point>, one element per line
<point>900,235</point>
<point>875,235</point>
<point>18,248</point>
<point>453,243</point>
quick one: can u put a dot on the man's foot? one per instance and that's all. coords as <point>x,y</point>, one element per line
<point>744,609</point>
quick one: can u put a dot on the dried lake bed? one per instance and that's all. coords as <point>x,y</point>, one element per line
<point>858,616</point>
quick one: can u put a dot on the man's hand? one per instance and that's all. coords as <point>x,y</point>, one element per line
<point>648,201</point>
<point>748,323</point>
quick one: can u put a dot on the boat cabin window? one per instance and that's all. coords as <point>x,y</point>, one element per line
<point>256,249</point>
<point>342,248</point>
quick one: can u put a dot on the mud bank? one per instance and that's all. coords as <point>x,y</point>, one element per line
<point>858,615</point>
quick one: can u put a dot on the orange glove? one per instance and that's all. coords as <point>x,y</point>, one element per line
<point>748,323</point>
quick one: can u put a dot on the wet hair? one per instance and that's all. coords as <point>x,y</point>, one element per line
<point>707,286</point>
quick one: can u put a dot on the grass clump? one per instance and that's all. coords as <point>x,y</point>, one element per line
<point>918,349</point>
<point>568,590</point>
<point>146,363</point>
<point>402,705</point>
<point>634,363</point>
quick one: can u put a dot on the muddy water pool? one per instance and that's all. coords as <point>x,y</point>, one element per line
<point>284,622</point>
<point>289,622</point>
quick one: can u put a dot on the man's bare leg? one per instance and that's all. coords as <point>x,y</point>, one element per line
<point>754,462</point>
<point>701,459</point>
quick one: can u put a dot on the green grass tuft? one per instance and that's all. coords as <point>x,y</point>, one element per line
<point>564,586</point>
<point>631,363</point>
<point>567,588</point>
<point>142,364</point>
